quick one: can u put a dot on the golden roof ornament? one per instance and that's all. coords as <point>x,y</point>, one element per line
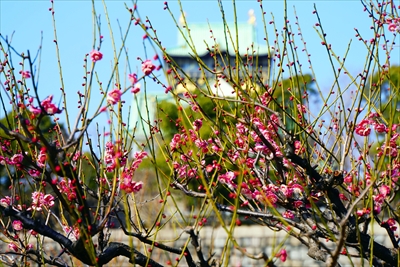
<point>182,18</point>
<point>252,17</point>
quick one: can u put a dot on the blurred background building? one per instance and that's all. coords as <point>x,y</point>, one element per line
<point>216,47</point>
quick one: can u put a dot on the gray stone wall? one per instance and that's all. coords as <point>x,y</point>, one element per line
<point>255,239</point>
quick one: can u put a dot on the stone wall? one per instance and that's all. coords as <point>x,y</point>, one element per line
<point>256,239</point>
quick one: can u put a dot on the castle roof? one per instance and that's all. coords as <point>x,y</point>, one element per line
<point>202,37</point>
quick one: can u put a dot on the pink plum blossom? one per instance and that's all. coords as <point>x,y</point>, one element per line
<point>391,223</point>
<point>138,156</point>
<point>17,225</point>
<point>41,159</point>
<point>40,200</point>
<point>67,187</point>
<point>114,96</point>
<point>362,211</point>
<point>96,55</point>
<point>227,179</point>
<point>6,201</point>
<point>148,67</point>
<point>133,78</point>
<point>128,185</point>
<point>392,27</point>
<point>35,110</point>
<point>384,190</point>
<point>49,107</point>
<point>72,232</point>
<point>16,159</point>
<point>363,128</point>
<point>34,173</point>
<point>288,214</point>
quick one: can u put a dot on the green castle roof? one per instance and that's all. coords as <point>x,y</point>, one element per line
<point>202,37</point>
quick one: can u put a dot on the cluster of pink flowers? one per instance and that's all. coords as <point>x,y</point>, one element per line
<point>71,232</point>
<point>393,25</point>
<point>47,106</point>
<point>390,149</point>
<point>67,187</point>
<point>128,184</point>
<point>16,159</point>
<point>183,171</point>
<point>363,211</point>
<point>177,141</point>
<point>134,81</point>
<point>391,223</point>
<point>379,197</point>
<point>301,108</point>
<point>269,133</point>
<point>112,156</point>
<point>138,158</point>
<point>228,179</point>
<point>299,148</point>
<point>363,128</point>
<point>40,200</point>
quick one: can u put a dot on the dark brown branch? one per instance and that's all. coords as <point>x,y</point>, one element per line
<point>116,249</point>
<point>188,191</point>
<point>161,246</point>
<point>195,242</point>
<point>77,248</point>
<point>38,257</point>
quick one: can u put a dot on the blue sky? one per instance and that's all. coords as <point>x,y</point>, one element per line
<point>27,19</point>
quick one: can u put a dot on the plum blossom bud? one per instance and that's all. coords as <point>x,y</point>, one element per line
<point>96,55</point>
<point>169,88</point>
<point>13,247</point>
<point>49,107</point>
<point>26,74</point>
<point>282,255</point>
<point>197,124</point>
<point>136,88</point>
